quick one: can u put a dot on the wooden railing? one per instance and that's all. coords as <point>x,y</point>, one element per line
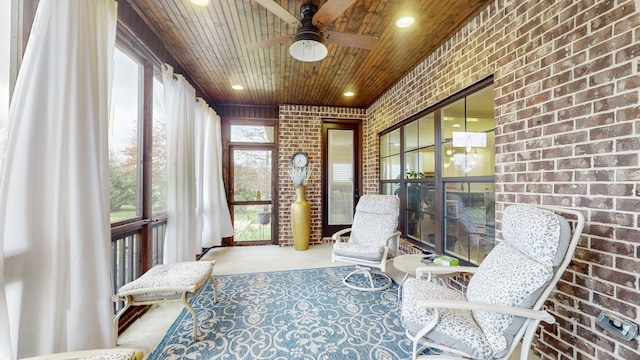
<point>129,252</point>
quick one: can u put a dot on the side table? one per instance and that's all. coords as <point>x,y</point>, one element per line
<point>408,264</point>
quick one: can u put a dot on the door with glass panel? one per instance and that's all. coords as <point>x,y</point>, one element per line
<point>252,150</point>
<point>252,195</point>
<point>341,180</point>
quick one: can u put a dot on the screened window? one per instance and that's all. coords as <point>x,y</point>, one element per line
<point>124,139</point>
<point>252,133</point>
<point>159,151</point>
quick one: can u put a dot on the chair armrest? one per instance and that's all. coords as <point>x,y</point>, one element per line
<point>336,236</point>
<point>395,235</point>
<point>540,315</point>
<point>441,271</point>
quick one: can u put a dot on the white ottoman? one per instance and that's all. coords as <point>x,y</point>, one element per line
<point>166,282</point>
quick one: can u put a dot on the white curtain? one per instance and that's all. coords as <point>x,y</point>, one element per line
<point>217,220</point>
<point>5,40</point>
<point>54,184</point>
<point>180,241</point>
<point>201,111</point>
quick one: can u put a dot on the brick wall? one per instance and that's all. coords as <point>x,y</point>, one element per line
<point>566,95</point>
<point>299,129</point>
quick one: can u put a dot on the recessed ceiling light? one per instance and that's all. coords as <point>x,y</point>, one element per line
<point>405,21</point>
<point>349,93</point>
<point>237,87</point>
<point>200,2</point>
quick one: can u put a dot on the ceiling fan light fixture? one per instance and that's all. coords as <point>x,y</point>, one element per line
<point>308,47</point>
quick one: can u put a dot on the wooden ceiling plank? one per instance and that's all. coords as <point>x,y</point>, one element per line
<point>210,44</point>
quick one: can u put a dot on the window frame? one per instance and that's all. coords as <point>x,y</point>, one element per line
<point>141,125</point>
<point>438,181</point>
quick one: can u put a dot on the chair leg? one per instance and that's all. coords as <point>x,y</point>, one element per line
<point>215,288</point>
<point>116,319</point>
<point>193,313</point>
<point>367,272</point>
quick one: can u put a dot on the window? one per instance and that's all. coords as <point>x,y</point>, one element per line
<point>390,162</point>
<point>252,133</point>
<point>159,151</point>
<point>447,187</point>
<point>124,172</point>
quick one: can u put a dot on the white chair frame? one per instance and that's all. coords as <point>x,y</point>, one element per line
<point>532,316</point>
<point>365,267</point>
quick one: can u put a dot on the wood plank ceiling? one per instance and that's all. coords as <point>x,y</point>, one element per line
<point>210,43</point>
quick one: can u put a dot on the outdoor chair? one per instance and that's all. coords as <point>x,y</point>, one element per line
<point>372,235</point>
<point>504,298</point>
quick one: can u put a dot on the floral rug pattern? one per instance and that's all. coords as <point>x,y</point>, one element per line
<point>302,314</point>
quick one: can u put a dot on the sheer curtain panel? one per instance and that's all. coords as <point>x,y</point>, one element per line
<point>5,41</point>
<point>180,96</point>
<point>54,184</point>
<point>217,219</point>
<point>201,112</point>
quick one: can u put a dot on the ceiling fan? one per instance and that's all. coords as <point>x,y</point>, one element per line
<point>309,41</point>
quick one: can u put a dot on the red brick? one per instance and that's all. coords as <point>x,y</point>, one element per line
<point>566,101</point>
<point>595,338</point>
<point>595,148</point>
<point>595,285</point>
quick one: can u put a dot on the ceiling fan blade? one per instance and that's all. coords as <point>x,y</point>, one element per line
<point>275,41</point>
<point>353,40</point>
<point>330,11</point>
<point>279,11</point>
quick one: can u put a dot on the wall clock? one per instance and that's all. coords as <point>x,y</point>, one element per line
<point>300,160</point>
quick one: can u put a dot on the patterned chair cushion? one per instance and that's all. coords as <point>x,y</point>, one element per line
<point>516,271</point>
<point>538,233</point>
<point>358,251</point>
<point>181,274</point>
<point>455,328</point>
<point>375,219</point>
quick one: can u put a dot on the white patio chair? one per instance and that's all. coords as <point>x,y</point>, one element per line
<point>372,234</point>
<point>504,300</point>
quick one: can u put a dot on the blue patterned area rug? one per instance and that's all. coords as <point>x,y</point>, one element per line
<point>302,314</point>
